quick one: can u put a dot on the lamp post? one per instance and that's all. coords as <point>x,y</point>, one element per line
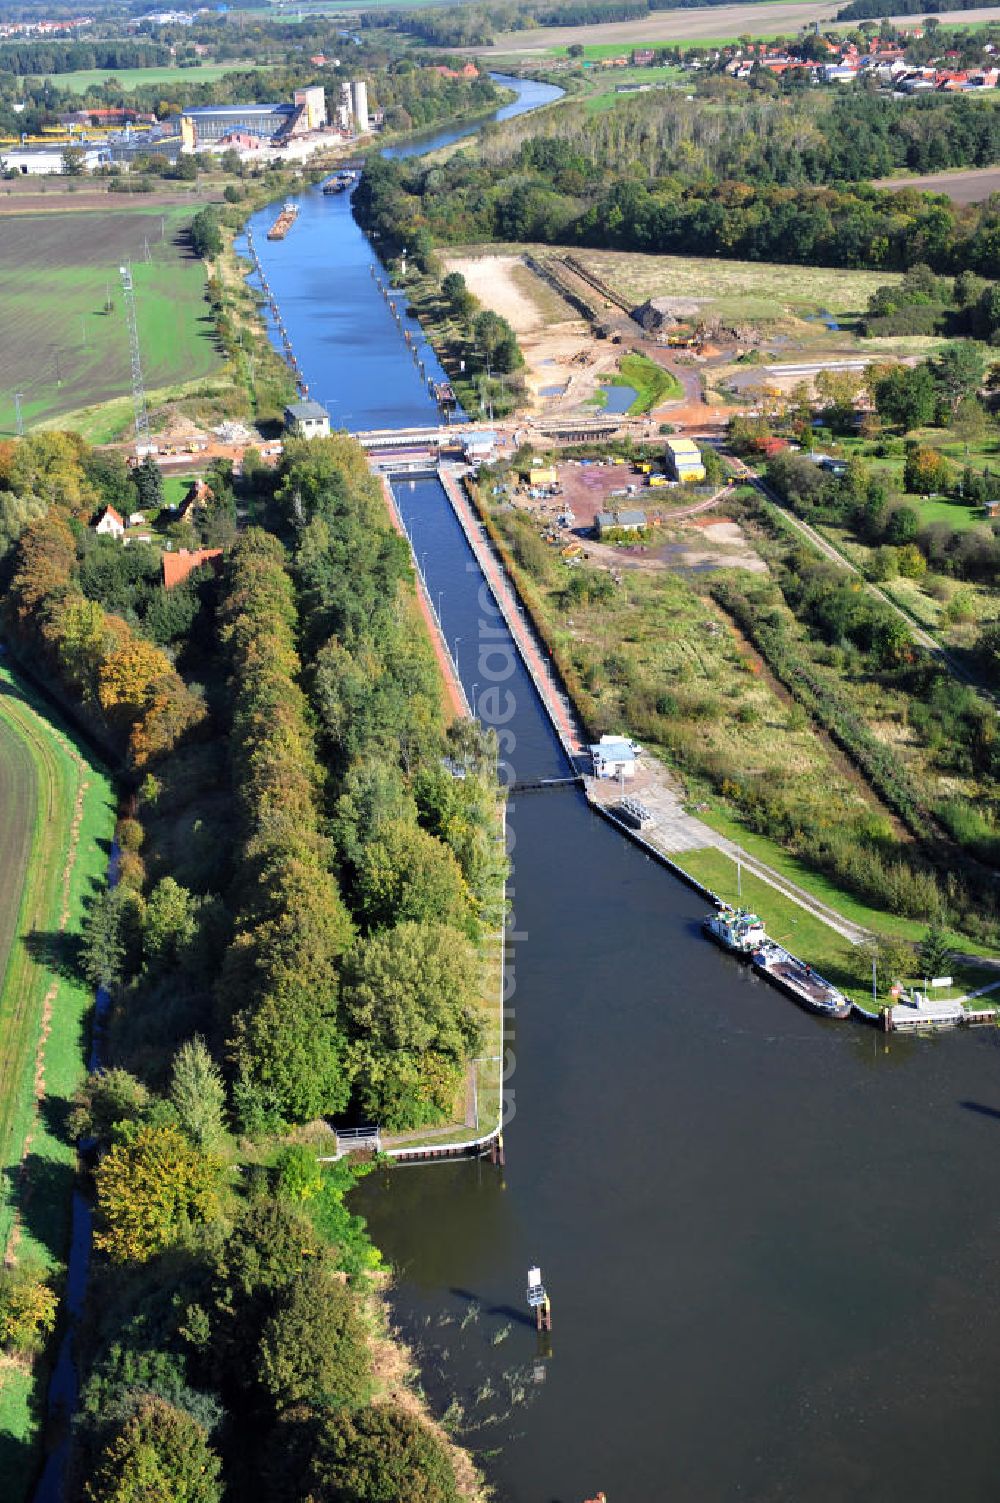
<point>474,688</point>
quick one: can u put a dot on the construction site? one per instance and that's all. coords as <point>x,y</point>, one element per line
<point>579,314</point>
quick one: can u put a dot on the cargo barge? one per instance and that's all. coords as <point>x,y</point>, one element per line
<point>284,222</point>
<point>339,183</point>
<point>800,982</point>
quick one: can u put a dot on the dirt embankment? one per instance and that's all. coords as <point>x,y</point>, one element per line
<point>563,361</point>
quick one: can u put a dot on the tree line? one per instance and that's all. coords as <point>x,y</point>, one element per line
<point>35,58</point>
<point>307,872</point>
<point>465,201</point>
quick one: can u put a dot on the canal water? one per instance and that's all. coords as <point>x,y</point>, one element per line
<point>769,1239</point>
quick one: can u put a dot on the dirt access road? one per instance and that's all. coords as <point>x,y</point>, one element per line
<point>762,20</point>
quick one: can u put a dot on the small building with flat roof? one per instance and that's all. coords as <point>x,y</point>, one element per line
<point>307,420</point>
<point>684,460</point>
<point>614,757</point>
<point>479,444</point>
<point>629,519</point>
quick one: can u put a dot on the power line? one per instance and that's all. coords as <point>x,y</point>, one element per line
<point>138,390</point>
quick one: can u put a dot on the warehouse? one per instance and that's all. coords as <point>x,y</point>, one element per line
<point>40,161</point>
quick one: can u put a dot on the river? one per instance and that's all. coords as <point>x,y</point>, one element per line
<point>768,1238</point>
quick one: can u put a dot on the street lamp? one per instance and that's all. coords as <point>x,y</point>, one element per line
<point>440,593</point>
<point>455,652</point>
<point>474,688</point>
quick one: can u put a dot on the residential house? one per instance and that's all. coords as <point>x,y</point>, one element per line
<point>177,566</point>
<point>110,523</point>
<point>307,420</point>
<point>199,496</point>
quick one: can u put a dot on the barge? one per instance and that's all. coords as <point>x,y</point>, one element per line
<point>736,929</point>
<point>800,982</point>
<point>338,183</point>
<point>284,222</point>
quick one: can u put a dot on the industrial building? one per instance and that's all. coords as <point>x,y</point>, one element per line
<point>42,161</point>
<point>352,114</point>
<point>683,459</point>
<point>210,125</point>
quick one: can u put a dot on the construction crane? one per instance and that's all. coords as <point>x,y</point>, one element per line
<point>138,390</point>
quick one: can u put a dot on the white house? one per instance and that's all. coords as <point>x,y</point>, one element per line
<point>136,519</point>
<point>614,757</point>
<point>307,420</point>
<point>110,523</point>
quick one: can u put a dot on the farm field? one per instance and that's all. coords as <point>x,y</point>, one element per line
<point>59,829</point>
<point>131,78</point>
<point>698,26</point>
<point>62,351</point>
<point>963,186</point>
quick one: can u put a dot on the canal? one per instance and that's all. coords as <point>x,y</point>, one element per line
<point>768,1238</point>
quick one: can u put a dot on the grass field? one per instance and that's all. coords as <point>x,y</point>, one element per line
<point>131,78</point>
<point>61,350</point>
<point>605,83</point>
<point>60,834</point>
<point>651,383</point>
<point>736,289</point>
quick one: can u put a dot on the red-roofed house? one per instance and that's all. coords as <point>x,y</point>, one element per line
<point>110,523</point>
<point>468,71</point>
<point>198,497</point>
<point>177,566</point>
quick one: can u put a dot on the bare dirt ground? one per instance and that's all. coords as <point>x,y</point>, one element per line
<point>961,187</point>
<point>690,25</point>
<point>586,490</point>
<point>33,195</point>
<point>706,540</point>
<point>563,359</point>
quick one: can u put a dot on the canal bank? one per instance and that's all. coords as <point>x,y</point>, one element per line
<point>763,1234</point>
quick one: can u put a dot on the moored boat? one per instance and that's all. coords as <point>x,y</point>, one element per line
<point>735,929</point>
<point>800,982</point>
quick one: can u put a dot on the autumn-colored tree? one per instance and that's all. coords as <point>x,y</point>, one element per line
<point>926,471</point>
<point>28,1307</point>
<point>150,1190</point>
<point>43,569</point>
<point>128,673</point>
<point>159,1455</point>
